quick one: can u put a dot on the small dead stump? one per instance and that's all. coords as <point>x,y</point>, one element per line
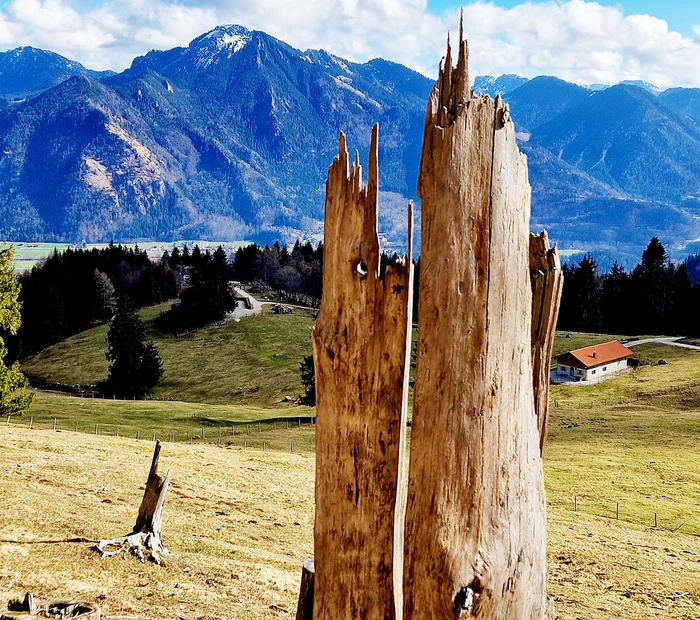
<point>145,540</point>
<point>305,608</point>
<point>31,609</point>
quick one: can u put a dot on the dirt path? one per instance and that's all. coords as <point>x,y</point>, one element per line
<point>242,311</point>
<point>670,341</point>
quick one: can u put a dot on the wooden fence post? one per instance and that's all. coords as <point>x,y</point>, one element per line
<point>475,521</point>
<point>361,360</point>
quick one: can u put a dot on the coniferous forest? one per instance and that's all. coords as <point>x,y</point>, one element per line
<point>76,289</point>
<point>655,297</point>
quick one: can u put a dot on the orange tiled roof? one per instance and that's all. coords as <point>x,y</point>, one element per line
<point>595,355</point>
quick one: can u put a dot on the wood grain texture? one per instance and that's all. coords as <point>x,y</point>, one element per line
<point>360,346</point>
<point>547,285</point>
<point>475,521</point>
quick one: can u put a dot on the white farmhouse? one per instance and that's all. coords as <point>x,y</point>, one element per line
<point>594,362</point>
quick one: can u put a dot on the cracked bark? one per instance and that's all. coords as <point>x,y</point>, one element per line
<point>360,346</point>
<point>475,521</point>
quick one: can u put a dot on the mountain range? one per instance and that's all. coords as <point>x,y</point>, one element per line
<point>230,138</point>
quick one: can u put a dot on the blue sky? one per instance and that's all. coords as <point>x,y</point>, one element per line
<point>578,40</point>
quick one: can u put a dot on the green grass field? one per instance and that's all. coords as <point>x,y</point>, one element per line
<point>674,384</point>
<point>568,341</point>
<point>214,377</point>
<point>623,441</point>
<point>174,421</point>
<point>252,362</point>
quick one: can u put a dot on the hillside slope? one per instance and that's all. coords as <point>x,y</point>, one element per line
<point>240,522</point>
<point>649,151</point>
<point>251,362</point>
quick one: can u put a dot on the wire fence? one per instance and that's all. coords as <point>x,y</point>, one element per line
<point>627,399</point>
<point>641,513</point>
<point>253,434</point>
<point>269,436</point>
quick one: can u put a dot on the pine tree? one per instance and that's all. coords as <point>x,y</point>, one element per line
<point>653,281</point>
<point>135,367</point>
<point>105,298</point>
<point>308,380</point>
<point>684,310</point>
<point>208,296</point>
<point>580,305</point>
<point>14,398</point>
<point>614,301</point>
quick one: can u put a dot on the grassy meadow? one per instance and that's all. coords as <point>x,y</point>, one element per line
<point>568,341</point>
<point>240,521</point>
<point>254,362</point>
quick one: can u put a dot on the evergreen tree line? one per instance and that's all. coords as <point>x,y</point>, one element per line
<point>656,297</point>
<point>75,289</point>
<point>207,295</point>
<point>296,272</point>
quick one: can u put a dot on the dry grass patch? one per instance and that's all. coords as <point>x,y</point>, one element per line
<point>601,569</point>
<point>241,524</point>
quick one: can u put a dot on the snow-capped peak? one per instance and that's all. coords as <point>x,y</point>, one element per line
<point>223,39</point>
<point>652,88</point>
<point>231,36</point>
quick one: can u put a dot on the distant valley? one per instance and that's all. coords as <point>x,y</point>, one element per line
<point>230,139</point>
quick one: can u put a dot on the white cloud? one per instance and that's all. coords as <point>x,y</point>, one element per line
<point>576,40</point>
<point>580,41</point>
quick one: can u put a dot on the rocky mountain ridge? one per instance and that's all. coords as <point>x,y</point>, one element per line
<point>230,138</point>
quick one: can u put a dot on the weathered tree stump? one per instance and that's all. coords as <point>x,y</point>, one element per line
<point>145,540</point>
<point>360,346</point>
<point>475,520</point>
<point>31,609</point>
